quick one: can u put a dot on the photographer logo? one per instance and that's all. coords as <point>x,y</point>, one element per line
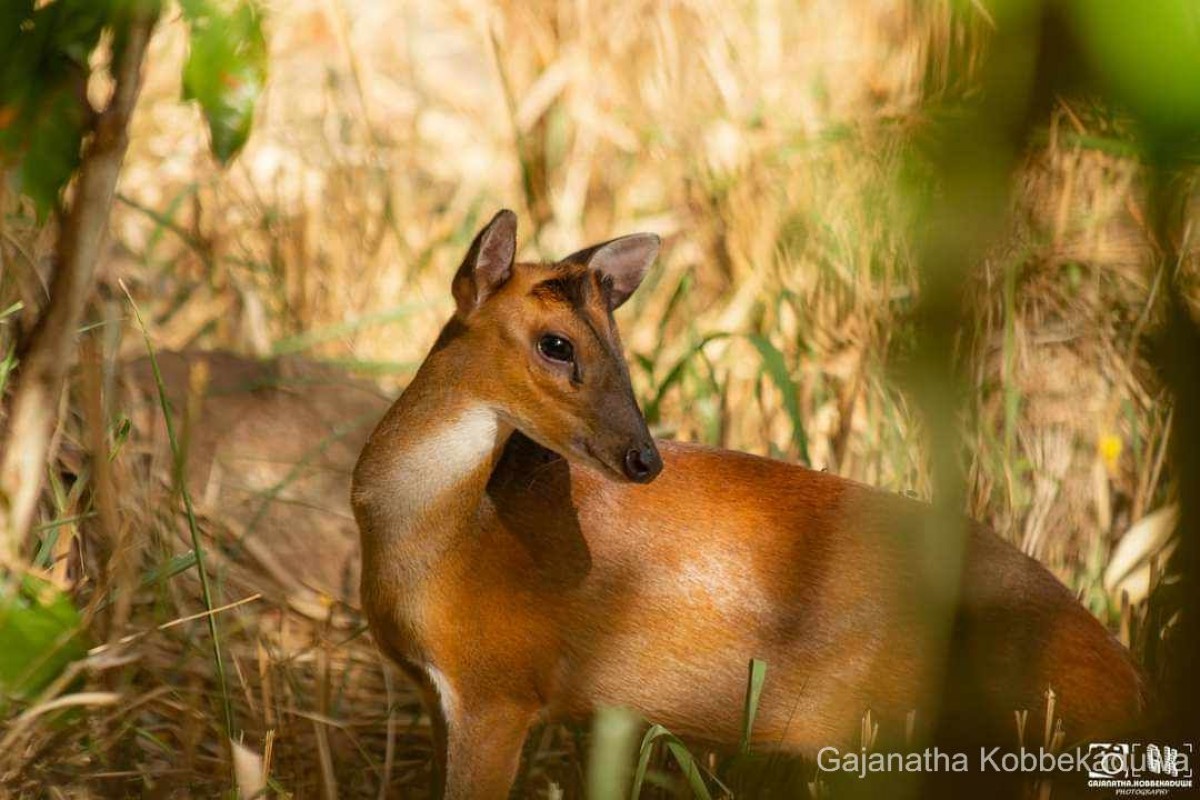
<point>1131,769</point>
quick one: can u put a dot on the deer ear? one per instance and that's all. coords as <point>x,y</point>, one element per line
<point>622,261</point>
<point>488,263</point>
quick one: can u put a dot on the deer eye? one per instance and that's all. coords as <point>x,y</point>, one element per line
<point>556,348</point>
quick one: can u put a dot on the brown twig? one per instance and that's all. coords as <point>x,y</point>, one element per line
<point>118,565</point>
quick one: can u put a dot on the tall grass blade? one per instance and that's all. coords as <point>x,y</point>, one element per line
<point>6,366</point>
<point>12,309</point>
<point>687,763</point>
<point>776,367</point>
<point>679,752</point>
<point>653,409</point>
<point>754,687</point>
<point>644,753</point>
<point>193,526</point>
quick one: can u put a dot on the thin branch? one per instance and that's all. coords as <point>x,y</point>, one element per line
<point>50,350</point>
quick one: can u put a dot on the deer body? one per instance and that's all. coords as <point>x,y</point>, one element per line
<point>516,584</point>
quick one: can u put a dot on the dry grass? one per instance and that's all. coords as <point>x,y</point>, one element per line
<point>766,142</point>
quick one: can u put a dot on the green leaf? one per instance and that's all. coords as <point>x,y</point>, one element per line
<point>39,636</point>
<point>1149,56</point>
<point>226,69</point>
<point>13,14</point>
<point>43,108</point>
<point>77,26</point>
<point>52,137</point>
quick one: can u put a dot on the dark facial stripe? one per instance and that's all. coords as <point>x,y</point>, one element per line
<point>610,345</point>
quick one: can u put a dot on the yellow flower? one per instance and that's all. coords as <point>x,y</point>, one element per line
<point>1110,446</point>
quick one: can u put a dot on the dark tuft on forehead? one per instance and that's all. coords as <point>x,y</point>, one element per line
<point>570,284</point>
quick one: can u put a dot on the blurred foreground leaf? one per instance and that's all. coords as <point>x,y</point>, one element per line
<point>43,75</point>
<point>39,637</point>
<point>46,140</point>
<point>614,735</point>
<point>1149,55</point>
<point>226,69</point>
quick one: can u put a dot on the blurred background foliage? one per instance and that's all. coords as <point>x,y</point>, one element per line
<point>794,156</point>
<point>767,143</point>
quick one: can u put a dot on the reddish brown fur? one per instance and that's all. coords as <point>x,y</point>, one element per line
<point>533,586</point>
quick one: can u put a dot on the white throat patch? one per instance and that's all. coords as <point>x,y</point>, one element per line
<point>438,461</point>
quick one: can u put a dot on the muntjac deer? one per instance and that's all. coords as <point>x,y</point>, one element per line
<point>531,553</point>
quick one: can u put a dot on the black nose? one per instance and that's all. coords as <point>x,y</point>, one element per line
<point>642,464</point>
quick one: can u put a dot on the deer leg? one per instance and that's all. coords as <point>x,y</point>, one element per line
<point>432,703</point>
<point>484,742</point>
<point>437,726</point>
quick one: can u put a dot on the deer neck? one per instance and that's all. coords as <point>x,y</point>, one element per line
<point>424,471</point>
